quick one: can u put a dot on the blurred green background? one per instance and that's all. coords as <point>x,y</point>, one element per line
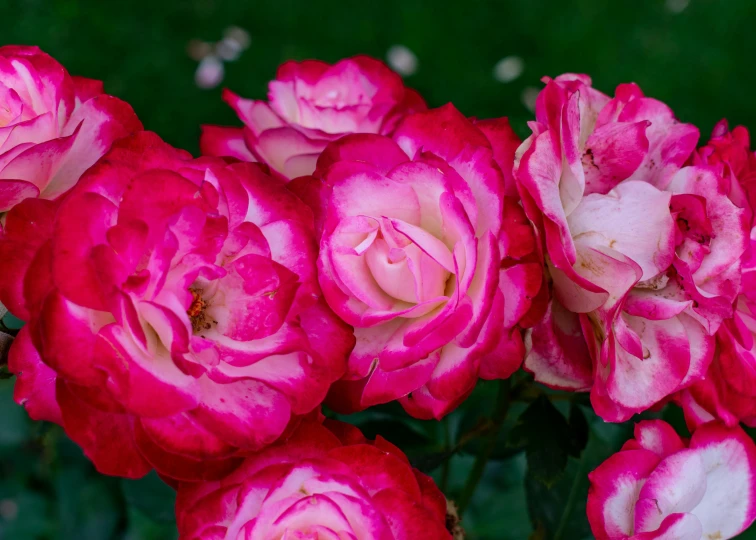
<point>696,56</point>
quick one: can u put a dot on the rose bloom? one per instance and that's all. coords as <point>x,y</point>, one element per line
<point>728,392</point>
<point>644,252</point>
<point>411,255</point>
<point>310,104</point>
<point>174,313</point>
<point>662,487</point>
<point>53,127</point>
<point>324,484</point>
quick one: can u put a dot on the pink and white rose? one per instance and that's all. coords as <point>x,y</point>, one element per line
<point>310,104</point>
<point>644,253</point>
<point>53,127</point>
<point>174,316</point>
<point>661,487</point>
<point>325,484</point>
<point>728,391</point>
<point>410,230</point>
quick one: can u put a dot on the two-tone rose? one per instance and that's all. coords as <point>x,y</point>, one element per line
<point>311,104</point>
<point>174,315</point>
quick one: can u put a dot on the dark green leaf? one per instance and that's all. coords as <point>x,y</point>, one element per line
<point>558,511</point>
<point>498,509</point>
<point>151,496</point>
<point>12,322</point>
<point>578,431</point>
<point>401,433</point>
<point>475,414</point>
<point>547,439</point>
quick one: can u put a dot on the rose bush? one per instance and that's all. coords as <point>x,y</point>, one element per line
<point>310,104</point>
<point>661,487</point>
<point>410,230</point>
<point>53,127</point>
<point>174,316</point>
<point>321,483</point>
<point>644,252</point>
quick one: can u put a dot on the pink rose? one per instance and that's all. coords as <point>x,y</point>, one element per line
<point>644,253</point>
<point>410,232</point>
<point>728,392</point>
<point>730,151</point>
<point>174,313</point>
<point>53,127</point>
<point>320,484</point>
<point>660,487</point>
<point>309,105</point>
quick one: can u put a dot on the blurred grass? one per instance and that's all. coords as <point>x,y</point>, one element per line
<point>699,61</point>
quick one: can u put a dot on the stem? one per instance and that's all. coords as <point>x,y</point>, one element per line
<point>497,420</point>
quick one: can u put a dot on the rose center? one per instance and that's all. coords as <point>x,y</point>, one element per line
<point>198,312</point>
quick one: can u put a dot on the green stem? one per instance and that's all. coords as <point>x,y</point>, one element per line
<point>497,420</point>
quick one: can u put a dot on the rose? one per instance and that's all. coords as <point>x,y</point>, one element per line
<point>174,314</point>
<point>409,234</point>
<point>321,483</point>
<point>661,487</point>
<point>730,152</point>
<point>53,126</point>
<point>644,253</point>
<point>727,392</point>
<point>309,105</point>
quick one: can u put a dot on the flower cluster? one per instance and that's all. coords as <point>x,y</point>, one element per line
<point>350,247</point>
<point>644,244</point>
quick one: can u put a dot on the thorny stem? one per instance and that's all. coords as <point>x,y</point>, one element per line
<point>497,420</point>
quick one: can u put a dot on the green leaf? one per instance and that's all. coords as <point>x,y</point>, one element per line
<point>558,511</point>
<point>547,438</point>
<point>475,412</point>
<point>151,496</point>
<point>578,431</point>
<point>498,509</point>
<point>401,433</point>
<point>12,322</point>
